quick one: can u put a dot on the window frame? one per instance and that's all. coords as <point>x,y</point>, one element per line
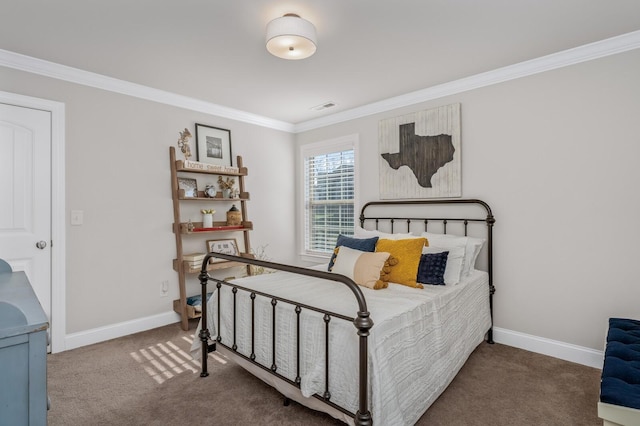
<point>344,143</point>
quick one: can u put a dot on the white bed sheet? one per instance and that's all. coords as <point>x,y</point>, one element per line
<point>419,341</point>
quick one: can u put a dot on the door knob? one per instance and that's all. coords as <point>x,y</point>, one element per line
<point>41,244</point>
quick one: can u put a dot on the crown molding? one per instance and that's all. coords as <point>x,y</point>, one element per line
<point>86,78</point>
<point>587,52</point>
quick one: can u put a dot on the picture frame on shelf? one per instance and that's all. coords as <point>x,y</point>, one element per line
<point>189,185</point>
<point>225,246</point>
<point>213,145</point>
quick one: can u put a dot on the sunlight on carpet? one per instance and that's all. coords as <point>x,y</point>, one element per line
<point>166,360</point>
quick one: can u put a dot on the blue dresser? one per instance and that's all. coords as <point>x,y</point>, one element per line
<point>23,353</point>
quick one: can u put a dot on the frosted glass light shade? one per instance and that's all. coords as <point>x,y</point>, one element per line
<point>291,37</point>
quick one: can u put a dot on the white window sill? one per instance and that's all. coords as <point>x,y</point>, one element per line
<point>314,258</point>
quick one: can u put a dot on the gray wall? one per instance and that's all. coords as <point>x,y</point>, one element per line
<point>117,161</point>
<point>556,156</point>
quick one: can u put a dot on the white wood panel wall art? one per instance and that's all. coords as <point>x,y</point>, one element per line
<point>420,154</point>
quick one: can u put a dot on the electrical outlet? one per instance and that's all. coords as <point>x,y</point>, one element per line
<point>164,288</point>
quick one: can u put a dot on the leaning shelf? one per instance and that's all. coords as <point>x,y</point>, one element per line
<point>190,230</point>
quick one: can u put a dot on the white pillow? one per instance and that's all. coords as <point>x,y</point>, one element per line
<point>362,267</point>
<point>453,270</point>
<point>474,246</point>
<point>445,240</point>
<point>366,233</point>
<point>471,245</point>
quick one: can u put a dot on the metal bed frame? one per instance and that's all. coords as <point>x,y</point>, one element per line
<point>362,321</point>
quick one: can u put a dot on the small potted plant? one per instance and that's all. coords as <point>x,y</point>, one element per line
<point>226,185</point>
<point>207,217</point>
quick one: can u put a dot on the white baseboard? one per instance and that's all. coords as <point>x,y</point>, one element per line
<point>567,351</point>
<point>101,334</point>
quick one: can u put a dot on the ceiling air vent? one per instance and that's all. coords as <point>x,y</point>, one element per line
<point>323,106</point>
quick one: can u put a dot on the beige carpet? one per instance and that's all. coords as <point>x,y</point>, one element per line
<point>148,379</point>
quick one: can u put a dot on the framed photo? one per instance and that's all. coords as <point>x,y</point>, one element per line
<point>227,246</point>
<point>189,185</point>
<point>213,145</point>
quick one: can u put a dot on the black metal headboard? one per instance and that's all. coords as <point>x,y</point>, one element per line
<point>417,215</point>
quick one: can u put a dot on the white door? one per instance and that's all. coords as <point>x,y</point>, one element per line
<point>25,196</point>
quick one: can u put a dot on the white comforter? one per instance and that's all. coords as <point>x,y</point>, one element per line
<point>419,341</point>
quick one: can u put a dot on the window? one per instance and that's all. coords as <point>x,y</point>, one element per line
<point>329,194</point>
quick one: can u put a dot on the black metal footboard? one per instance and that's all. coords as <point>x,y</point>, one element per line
<point>362,322</point>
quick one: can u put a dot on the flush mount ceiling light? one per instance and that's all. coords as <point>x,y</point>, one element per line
<point>291,37</point>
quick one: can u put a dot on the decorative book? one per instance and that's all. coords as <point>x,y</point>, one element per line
<point>194,257</point>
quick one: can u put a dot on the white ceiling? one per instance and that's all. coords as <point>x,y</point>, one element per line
<point>368,50</point>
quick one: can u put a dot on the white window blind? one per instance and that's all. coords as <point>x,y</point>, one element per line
<point>329,199</point>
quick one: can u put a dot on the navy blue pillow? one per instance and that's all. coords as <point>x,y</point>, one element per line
<point>362,244</point>
<point>431,268</point>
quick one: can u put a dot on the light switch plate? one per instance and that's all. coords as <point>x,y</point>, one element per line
<point>77,217</point>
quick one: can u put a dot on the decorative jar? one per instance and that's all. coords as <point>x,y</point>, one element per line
<point>234,217</point>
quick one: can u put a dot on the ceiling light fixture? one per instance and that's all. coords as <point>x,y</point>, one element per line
<point>291,37</point>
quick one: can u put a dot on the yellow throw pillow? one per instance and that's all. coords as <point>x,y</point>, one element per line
<point>407,253</point>
<point>362,267</point>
